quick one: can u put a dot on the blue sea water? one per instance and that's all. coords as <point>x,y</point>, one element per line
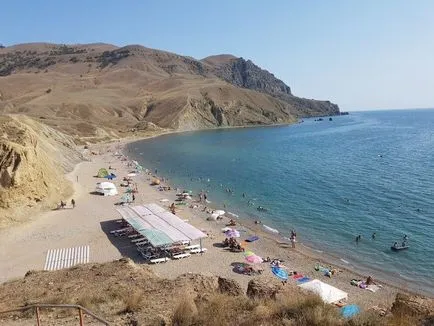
<point>330,180</point>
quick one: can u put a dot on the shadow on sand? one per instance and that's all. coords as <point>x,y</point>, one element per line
<point>123,243</point>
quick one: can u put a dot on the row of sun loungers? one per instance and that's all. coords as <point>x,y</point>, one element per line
<point>154,255</point>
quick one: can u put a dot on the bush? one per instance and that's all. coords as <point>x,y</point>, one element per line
<point>132,302</point>
<point>184,313</point>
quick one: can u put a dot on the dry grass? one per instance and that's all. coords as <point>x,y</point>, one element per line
<point>185,313</point>
<point>297,310</point>
<point>133,302</point>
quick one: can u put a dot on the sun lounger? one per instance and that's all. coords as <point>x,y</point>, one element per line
<point>198,250</point>
<point>159,260</point>
<point>138,240</point>
<point>192,247</point>
<point>132,236</point>
<point>180,256</point>
<point>142,243</point>
<point>120,230</point>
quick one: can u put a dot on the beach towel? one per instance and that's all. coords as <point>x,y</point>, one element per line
<point>373,288</point>
<point>303,280</point>
<point>252,238</point>
<point>297,276</point>
<point>280,273</point>
<point>350,310</point>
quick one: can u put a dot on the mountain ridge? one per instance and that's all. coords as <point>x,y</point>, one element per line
<point>86,90</point>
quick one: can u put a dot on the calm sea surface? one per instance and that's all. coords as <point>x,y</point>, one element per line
<point>330,180</point>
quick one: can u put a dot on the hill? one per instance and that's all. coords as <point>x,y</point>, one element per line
<point>102,91</point>
<point>124,293</point>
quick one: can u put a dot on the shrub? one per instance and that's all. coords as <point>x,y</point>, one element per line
<point>132,302</point>
<point>184,313</point>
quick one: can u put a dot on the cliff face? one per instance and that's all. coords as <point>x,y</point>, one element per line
<point>33,159</point>
<point>100,91</point>
<point>244,73</point>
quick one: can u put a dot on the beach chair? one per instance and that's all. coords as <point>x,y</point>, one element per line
<point>159,260</point>
<point>138,240</point>
<point>180,256</point>
<point>120,230</point>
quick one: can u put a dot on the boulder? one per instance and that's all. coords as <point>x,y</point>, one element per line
<point>412,305</point>
<point>229,287</point>
<point>261,290</point>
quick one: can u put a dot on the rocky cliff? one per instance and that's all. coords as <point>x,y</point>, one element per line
<point>33,160</point>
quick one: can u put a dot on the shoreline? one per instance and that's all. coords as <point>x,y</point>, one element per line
<point>310,251</point>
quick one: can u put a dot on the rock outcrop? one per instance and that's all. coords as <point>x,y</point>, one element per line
<point>413,305</point>
<point>244,73</point>
<point>257,289</point>
<point>229,287</point>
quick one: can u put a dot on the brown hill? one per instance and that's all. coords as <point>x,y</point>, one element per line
<point>99,90</point>
<point>33,160</point>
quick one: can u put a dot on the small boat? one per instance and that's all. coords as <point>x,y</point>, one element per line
<point>399,248</point>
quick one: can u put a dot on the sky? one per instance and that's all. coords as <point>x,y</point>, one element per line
<point>361,55</point>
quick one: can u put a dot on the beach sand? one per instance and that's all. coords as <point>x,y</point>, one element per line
<point>24,247</point>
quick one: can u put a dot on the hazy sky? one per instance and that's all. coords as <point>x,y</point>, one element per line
<point>367,54</point>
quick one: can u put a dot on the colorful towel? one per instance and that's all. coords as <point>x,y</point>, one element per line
<point>297,276</point>
<point>252,238</point>
<point>303,280</point>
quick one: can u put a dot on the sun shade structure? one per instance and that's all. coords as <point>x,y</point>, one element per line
<point>159,226</point>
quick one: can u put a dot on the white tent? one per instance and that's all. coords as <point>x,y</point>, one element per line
<point>106,188</point>
<point>327,292</point>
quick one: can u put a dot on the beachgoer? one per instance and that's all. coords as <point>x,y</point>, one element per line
<point>369,280</point>
<point>405,237</point>
<point>205,196</point>
<point>134,197</point>
<point>292,238</point>
<point>244,195</point>
<point>73,203</point>
<point>62,204</point>
<point>395,245</point>
<point>374,235</point>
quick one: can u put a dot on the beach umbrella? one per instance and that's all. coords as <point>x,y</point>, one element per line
<point>226,228</point>
<point>131,174</point>
<point>254,259</point>
<point>232,233</point>
<point>164,200</point>
<point>219,212</point>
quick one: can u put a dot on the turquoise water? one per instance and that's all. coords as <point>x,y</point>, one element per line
<point>330,180</point>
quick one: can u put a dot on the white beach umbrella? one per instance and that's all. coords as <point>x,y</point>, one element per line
<point>219,212</point>
<point>131,174</point>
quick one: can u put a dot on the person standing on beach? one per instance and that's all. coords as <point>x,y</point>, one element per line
<point>73,203</point>
<point>293,238</point>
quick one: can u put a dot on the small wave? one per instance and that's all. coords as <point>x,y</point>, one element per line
<point>270,229</point>
<point>344,261</point>
<point>232,214</point>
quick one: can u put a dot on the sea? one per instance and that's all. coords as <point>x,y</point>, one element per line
<point>330,180</point>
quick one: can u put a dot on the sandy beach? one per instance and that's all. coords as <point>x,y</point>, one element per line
<point>24,247</point>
